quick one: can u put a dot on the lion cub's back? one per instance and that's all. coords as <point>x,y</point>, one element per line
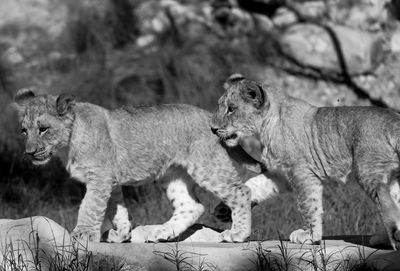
<point>165,129</point>
<point>370,126</point>
<point>168,118</point>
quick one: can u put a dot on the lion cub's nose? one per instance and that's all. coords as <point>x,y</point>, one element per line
<point>214,130</point>
<point>30,152</point>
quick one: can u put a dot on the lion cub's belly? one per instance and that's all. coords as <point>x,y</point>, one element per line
<point>132,176</point>
<point>341,178</point>
<point>339,170</point>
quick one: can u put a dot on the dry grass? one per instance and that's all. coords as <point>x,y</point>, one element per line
<point>314,258</point>
<point>73,256</point>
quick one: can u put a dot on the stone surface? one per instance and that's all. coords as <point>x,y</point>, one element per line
<point>336,254</point>
<point>311,45</point>
<point>29,240</point>
<point>395,42</point>
<point>198,250</point>
<point>284,17</point>
<point>362,14</point>
<point>46,15</point>
<point>196,233</point>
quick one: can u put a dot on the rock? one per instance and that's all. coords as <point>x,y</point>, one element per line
<point>30,241</point>
<point>395,42</point>
<point>196,233</point>
<point>384,82</point>
<point>284,17</point>
<point>311,45</point>
<point>264,24</point>
<point>13,56</point>
<point>155,17</point>
<point>311,9</point>
<point>46,15</point>
<point>266,255</point>
<point>205,234</point>
<point>200,249</point>
<point>363,14</point>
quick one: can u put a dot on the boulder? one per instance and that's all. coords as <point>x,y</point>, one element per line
<point>35,241</point>
<point>262,255</point>
<point>196,233</point>
<point>312,46</point>
<point>32,242</point>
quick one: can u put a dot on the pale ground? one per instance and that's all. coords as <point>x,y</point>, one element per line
<point>197,252</point>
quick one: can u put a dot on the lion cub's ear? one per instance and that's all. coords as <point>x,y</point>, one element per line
<point>254,93</point>
<point>64,104</point>
<point>23,96</point>
<point>233,79</point>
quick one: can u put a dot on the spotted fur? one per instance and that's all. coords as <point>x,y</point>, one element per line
<point>309,144</point>
<point>131,146</point>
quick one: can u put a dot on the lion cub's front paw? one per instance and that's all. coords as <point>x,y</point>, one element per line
<point>161,233</point>
<point>301,236</point>
<point>232,236</point>
<point>152,233</point>
<point>117,236</point>
<point>84,234</point>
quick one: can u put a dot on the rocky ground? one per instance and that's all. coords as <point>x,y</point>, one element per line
<point>41,244</point>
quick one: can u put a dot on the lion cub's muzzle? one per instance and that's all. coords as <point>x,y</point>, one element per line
<point>38,157</point>
<point>219,129</point>
<point>214,130</point>
<point>224,135</point>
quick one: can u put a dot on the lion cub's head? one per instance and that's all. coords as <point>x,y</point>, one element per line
<point>46,123</point>
<point>239,110</point>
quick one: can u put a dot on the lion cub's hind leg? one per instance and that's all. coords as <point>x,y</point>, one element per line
<point>309,201</point>
<point>118,213</point>
<point>383,188</point>
<point>389,206</point>
<point>186,212</point>
<point>382,237</point>
<point>395,195</point>
<point>261,187</point>
<point>211,167</point>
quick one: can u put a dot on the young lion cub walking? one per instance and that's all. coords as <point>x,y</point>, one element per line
<point>309,144</point>
<point>131,146</point>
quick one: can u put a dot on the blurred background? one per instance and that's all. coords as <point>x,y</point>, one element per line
<point>147,52</point>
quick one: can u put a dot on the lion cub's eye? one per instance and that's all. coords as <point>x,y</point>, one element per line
<point>230,109</point>
<point>43,130</point>
<point>24,131</point>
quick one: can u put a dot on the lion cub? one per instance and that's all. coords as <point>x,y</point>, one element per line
<point>310,144</point>
<point>110,148</point>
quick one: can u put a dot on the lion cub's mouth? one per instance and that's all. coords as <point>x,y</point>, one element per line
<point>231,137</point>
<point>230,140</point>
<point>224,135</point>
<point>41,159</point>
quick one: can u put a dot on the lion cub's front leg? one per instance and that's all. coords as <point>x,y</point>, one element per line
<point>92,210</point>
<point>214,170</point>
<point>309,200</point>
<point>117,212</point>
<point>239,201</point>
